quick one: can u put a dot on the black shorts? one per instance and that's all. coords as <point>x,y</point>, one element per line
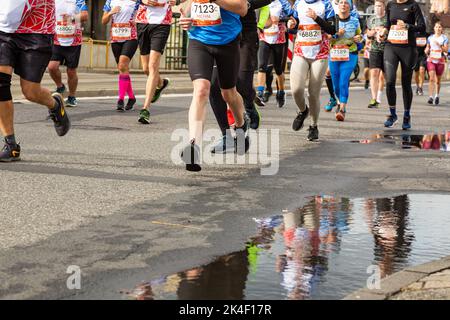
<point>127,48</point>
<point>366,63</point>
<point>28,54</point>
<point>67,56</point>
<point>266,51</point>
<point>376,60</point>
<point>201,59</point>
<point>152,37</point>
<point>421,62</point>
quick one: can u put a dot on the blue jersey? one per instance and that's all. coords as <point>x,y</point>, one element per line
<point>220,34</point>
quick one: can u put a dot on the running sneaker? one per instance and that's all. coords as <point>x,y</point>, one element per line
<point>255,118</point>
<point>225,145</point>
<point>299,119</point>
<point>366,85</point>
<point>59,116</point>
<point>373,104</point>
<point>436,101</point>
<point>331,104</point>
<point>10,152</point>
<point>281,99</point>
<point>340,115</point>
<point>130,104</point>
<point>417,91</point>
<point>266,95</point>
<point>391,121</point>
<point>313,133</point>
<point>158,91</point>
<point>420,91</point>
<point>242,140</point>
<point>259,101</point>
<point>144,116</point>
<point>191,157</point>
<point>71,102</point>
<point>61,90</point>
<point>406,123</point>
<point>120,106</point>
<point>430,100</point>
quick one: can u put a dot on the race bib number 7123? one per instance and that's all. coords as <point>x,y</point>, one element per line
<point>204,13</point>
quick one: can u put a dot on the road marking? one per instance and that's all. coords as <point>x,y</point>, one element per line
<point>175,225</point>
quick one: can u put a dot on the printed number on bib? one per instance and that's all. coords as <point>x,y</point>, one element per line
<point>436,54</point>
<point>204,13</point>
<point>421,42</point>
<point>340,53</point>
<point>309,35</point>
<point>65,30</point>
<point>121,31</point>
<point>398,35</point>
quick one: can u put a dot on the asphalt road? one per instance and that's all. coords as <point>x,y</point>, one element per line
<point>109,199</point>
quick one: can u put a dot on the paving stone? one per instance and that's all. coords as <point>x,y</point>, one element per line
<point>397,281</point>
<point>431,267</point>
<point>415,286</point>
<point>432,294</point>
<point>365,294</point>
<point>436,284</point>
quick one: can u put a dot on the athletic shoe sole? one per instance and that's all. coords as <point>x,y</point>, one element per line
<point>340,116</point>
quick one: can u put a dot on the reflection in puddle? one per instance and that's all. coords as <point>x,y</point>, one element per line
<point>430,141</point>
<point>320,251</point>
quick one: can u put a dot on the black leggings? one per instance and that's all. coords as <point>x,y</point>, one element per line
<point>248,53</point>
<point>265,50</point>
<point>407,57</point>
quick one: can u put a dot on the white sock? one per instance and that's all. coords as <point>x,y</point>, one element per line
<point>436,95</point>
<point>380,93</point>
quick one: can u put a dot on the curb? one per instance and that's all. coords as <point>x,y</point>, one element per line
<point>396,282</point>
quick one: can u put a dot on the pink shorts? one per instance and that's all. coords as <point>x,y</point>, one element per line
<point>438,67</point>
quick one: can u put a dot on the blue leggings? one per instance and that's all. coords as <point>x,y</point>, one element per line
<point>340,74</point>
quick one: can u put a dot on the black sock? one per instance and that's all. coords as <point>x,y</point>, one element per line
<point>11,140</point>
<point>329,83</point>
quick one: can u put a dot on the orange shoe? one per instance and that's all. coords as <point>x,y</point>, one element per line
<point>340,115</point>
<point>230,116</point>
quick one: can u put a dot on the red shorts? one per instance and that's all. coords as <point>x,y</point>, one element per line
<point>438,67</point>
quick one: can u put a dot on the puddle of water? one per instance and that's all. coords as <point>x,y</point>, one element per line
<point>320,251</point>
<point>430,141</point>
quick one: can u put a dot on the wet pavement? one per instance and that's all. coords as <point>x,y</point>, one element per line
<point>108,199</point>
<point>323,250</point>
<point>417,141</point>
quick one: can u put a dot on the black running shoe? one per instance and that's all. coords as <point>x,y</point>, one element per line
<point>130,104</point>
<point>299,119</point>
<point>120,106</point>
<point>313,133</point>
<point>10,153</point>
<point>259,101</point>
<point>191,157</point>
<point>158,91</point>
<point>59,116</point>
<point>366,85</point>
<point>61,90</point>
<point>436,101</point>
<point>255,118</point>
<point>420,91</point>
<point>281,99</point>
<point>430,100</point>
<point>242,140</point>
<point>266,96</point>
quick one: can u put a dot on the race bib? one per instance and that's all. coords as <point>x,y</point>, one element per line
<point>436,54</point>
<point>366,54</point>
<point>397,35</point>
<point>65,29</point>
<point>421,42</point>
<point>340,53</point>
<point>158,3</point>
<point>309,35</point>
<point>120,31</point>
<point>204,13</point>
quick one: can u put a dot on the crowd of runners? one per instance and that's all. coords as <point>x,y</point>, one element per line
<point>228,41</point>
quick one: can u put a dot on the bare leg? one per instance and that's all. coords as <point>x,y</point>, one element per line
<point>72,76</point>
<point>55,73</point>
<point>153,79</point>
<point>197,110</point>
<point>6,110</point>
<point>236,104</point>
